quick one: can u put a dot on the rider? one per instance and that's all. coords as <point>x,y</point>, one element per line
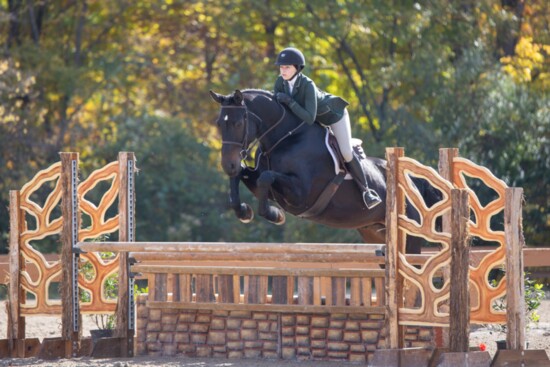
<point>311,104</point>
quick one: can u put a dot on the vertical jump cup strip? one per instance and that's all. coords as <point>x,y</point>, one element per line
<point>74,240</point>
<point>131,281</point>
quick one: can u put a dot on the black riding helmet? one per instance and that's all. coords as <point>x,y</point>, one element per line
<point>291,56</point>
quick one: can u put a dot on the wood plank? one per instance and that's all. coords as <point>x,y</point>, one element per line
<point>185,291</point>
<point>225,289</point>
<point>355,292</point>
<point>305,290</point>
<point>366,292</point>
<point>223,257</point>
<point>257,289</point>
<point>338,291</point>
<point>109,347</point>
<point>161,287</point>
<point>379,286</point>
<point>326,290</point>
<point>221,270</point>
<point>290,290</point>
<point>175,288</point>
<point>470,359</point>
<point>317,291</point>
<point>151,286</point>
<point>526,358</point>
<point>532,257</point>
<point>239,247</point>
<point>459,315</point>
<point>246,288</point>
<point>279,290</point>
<point>236,288</point>
<point>204,288</point>
<point>515,282</point>
<point>536,256</point>
<point>266,307</point>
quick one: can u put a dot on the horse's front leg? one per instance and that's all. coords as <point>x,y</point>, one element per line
<point>267,181</point>
<point>243,211</point>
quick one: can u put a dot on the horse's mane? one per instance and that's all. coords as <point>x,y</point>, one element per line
<point>254,91</point>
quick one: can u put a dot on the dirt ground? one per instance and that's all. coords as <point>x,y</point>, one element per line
<point>538,337</point>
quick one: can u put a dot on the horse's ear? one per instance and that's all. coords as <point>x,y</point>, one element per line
<point>238,97</point>
<point>216,97</point>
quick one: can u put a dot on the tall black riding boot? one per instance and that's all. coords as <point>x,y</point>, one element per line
<point>370,197</point>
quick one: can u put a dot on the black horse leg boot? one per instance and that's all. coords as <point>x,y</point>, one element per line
<point>370,197</point>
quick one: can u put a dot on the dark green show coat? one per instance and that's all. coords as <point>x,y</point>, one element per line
<point>311,103</point>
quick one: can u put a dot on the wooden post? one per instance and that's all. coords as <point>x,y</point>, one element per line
<point>395,205</point>
<point>515,282</point>
<point>459,330</point>
<point>16,323</point>
<point>445,169</point>
<point>125,320</point>
<point>71,318</point>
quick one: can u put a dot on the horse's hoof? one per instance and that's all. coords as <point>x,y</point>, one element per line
<point>281,219</point>
<point>246,213</point>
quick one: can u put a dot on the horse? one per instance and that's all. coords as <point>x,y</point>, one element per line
<point>294,168</point>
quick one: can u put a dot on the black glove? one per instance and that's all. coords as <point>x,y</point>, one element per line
<point>284,98</point>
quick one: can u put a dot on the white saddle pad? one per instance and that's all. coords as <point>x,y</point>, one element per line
<point>356,143</point>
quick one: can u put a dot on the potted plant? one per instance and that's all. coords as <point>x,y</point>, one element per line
<point>533,296</point>
<point>105,323</point>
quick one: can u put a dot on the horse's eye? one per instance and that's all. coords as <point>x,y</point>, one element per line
<point>239,123</point>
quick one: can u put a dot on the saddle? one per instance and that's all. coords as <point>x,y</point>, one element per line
<point>337,157</point>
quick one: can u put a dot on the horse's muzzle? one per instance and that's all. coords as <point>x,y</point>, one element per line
<point>231,167</point>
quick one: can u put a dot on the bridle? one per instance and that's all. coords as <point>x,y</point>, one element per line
<point>244,144</point>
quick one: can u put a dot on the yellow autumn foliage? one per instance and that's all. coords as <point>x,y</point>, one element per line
<point>528,63</point>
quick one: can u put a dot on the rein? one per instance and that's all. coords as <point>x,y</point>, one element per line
<point>244,143</point>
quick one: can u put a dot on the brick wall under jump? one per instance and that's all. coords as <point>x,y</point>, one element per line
<point>259,334</point>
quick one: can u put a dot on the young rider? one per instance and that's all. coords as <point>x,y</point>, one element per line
<point>311,104</point>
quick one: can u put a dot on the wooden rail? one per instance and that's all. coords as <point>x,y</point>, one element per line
<point>234,247</point>
<point>289,277</point>
<point>534,257</point>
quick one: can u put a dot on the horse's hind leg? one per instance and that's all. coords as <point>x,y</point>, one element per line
<point>243,211</point>
<point>375,233</point>
<point>269,212</point>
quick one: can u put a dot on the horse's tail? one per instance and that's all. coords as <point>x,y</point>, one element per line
<point>430,194</point>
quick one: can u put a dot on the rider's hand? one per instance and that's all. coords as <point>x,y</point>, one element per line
<point>284,98</point>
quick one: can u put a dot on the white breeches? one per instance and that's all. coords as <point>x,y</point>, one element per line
<point>342,132</point>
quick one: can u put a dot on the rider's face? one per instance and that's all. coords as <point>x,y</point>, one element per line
<point>287,71</point>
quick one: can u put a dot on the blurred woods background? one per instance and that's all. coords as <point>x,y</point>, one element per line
<point>98,77</point>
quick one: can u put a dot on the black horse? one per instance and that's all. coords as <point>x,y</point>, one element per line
<point>293,167</point>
